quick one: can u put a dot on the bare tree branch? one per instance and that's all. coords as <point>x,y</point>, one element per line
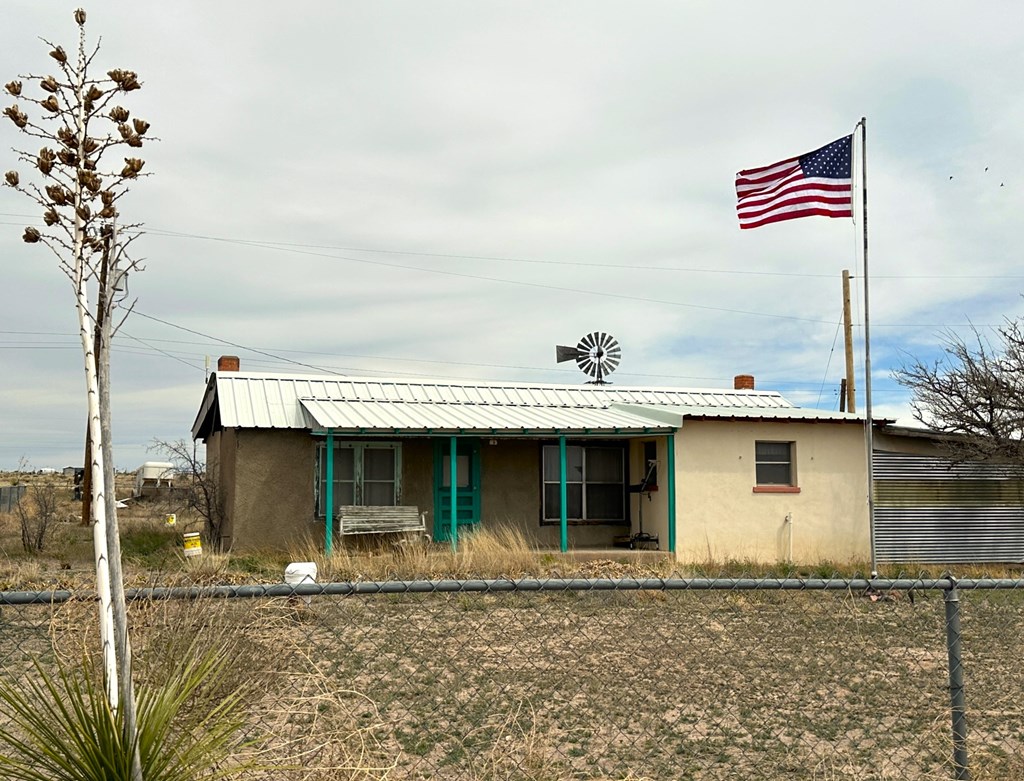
<point>974,392</point>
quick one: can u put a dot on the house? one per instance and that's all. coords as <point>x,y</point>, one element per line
<point>708,473</point>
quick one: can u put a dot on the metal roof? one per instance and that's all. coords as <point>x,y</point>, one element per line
<point>258,400</point>
<point>433,418</point>
<point>779,413</point>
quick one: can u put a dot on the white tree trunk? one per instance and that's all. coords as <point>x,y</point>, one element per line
<point>86,328</point>
<point>98,508</point>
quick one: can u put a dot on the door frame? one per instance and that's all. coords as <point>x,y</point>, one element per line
<point>464,446</point>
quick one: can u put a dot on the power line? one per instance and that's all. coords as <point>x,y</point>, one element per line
<point>269,244</point>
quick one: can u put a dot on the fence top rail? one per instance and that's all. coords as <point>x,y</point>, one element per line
<point>526,585</point>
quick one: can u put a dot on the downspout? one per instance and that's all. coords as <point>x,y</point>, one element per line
<point>671,493</point>
<point>329,509</point>
<point>563,515</point>
<point>455,497</point>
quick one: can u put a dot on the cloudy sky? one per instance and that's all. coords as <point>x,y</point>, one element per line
<point>423,189</point>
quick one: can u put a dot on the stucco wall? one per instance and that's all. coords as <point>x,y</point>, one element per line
<point>719,517</point>
<point>653,505</point>
<point>273,504</point>
<point>418,475</point>
<point>220,462</point>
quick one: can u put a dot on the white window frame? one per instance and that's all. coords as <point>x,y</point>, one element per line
<point>551,449</point>
<point>320,486</point>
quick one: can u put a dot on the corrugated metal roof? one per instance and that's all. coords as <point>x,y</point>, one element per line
<point>428,417</point>
<point>769,413</point>
<point>258,400</point>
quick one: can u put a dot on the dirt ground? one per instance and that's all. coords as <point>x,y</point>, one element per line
<point>598,685</point>
<point>549,686</point>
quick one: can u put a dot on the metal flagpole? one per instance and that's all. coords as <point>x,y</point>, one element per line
<point>868,424</point>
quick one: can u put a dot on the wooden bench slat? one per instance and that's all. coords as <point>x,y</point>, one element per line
<point>360,519</point>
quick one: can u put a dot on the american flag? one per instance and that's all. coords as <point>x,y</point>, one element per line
<point>818,182</point>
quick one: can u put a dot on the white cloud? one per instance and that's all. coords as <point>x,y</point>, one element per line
<point>593,133</point>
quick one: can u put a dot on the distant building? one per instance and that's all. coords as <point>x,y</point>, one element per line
<point>154,478</point>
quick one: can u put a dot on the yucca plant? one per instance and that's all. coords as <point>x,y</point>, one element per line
<point>60,726</point>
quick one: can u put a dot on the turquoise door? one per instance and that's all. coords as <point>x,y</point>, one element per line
<point>467,488</point>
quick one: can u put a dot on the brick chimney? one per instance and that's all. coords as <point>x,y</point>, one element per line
<point>230,363</point>
<point>743,382</point>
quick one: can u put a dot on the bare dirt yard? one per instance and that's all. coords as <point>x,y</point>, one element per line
<point>551,686</point>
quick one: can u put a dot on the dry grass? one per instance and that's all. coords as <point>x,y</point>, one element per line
<point>599,685</point>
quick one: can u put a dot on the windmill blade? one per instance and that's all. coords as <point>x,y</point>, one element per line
<point>588,342</point>
<point>587,364</point>
<point>597,354</point>
<point>563,353</point>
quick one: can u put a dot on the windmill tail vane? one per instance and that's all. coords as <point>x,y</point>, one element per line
<point>597,354</point>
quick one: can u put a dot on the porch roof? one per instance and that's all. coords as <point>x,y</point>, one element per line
<point>392,417</point>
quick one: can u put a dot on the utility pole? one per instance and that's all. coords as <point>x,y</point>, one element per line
<point>851,393</point>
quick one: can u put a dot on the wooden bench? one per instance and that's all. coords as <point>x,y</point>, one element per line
<point>357,519</point>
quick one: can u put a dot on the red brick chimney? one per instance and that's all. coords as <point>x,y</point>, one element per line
<point>743,382</point>
<point>230,363</point>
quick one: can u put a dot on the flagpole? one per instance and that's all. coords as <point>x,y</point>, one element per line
<point>868,423</point>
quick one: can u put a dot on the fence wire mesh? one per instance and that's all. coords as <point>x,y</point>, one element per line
<point>588,679</point>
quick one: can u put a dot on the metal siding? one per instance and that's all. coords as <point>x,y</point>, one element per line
<point>933,510</point>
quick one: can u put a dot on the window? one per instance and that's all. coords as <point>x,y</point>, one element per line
<point>595,483</point>
<point>364,474</point>
<point>774,464</point>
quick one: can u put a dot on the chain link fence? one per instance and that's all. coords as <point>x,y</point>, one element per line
<point>682,678</point>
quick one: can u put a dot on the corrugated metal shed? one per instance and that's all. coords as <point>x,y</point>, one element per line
<point>931,510</point>
<point>257,400</point>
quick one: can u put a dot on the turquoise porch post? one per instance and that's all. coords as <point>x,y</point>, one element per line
<point>455,496</point>
<point>671,444</point>
<point>563,516</point>
<point>329,499</point>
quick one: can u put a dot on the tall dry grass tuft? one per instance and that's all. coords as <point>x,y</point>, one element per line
<point>500,551</point>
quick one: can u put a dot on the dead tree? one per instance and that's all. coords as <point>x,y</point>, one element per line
<point>973,392</point>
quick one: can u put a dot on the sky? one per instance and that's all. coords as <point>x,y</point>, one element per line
<point>450,189</point>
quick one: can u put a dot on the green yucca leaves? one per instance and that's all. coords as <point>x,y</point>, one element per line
<point>60,727</point>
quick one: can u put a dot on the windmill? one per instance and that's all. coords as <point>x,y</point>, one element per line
<point>597,354</point>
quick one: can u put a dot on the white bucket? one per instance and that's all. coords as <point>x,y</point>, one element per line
<point>300,572</point>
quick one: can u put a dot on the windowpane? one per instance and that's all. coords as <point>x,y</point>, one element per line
<point>595,482</point>
<point>344,493</point>
<point>604,502</point>
<point>344,463</point>
<point>573,463</point>
<point>574,502</point>
<point>604,465</point>
<point>379,494</point>
<point>378,464</point>
<point>773,474</point>
<point>774,463</point>
<point>378,482</point>
<point>773,451</point>
<point>461,471</point>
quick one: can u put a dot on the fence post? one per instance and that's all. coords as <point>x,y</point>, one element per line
<point>957,703</point>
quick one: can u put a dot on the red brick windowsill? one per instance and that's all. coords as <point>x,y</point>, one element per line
<point>776,489</point>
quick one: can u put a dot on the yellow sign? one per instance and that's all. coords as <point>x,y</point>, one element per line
<point>193,544</point>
